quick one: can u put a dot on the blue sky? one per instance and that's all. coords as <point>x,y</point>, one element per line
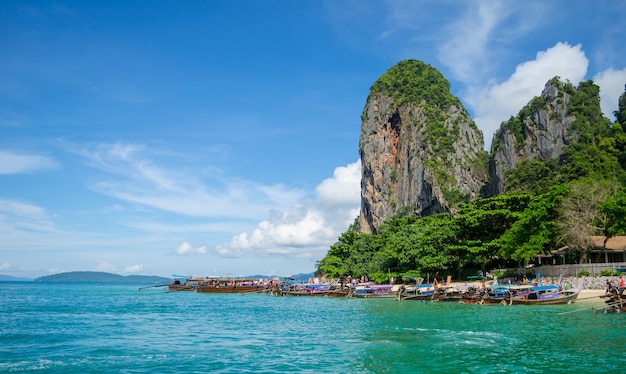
<point>221,137</point>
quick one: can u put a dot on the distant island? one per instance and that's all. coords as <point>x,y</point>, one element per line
<point>10,278</point>
<point>101,277</point>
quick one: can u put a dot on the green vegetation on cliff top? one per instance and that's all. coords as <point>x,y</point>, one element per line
<point>412,81</point>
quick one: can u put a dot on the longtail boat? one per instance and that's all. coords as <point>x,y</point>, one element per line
<point>375,291</point>
<point>545,295</point>
<point>423,292</point>
<point>217,285</point>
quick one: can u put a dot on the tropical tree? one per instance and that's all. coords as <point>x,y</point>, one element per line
<point>535,231</point>
<point>614,209</point>
<point>580,216</point>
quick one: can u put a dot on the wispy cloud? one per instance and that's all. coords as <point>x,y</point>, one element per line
<point>135,177</point>
<point>465,52</point>
<point>17,163</point>
<point>18,216</point>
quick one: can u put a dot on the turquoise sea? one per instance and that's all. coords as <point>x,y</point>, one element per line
<point>113,328</point>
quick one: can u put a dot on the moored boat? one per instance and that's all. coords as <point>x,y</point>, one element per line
<point>423,292</point>
<point>231,286</point>
<point>544,295</point>
<point>188,284</point>
<point>218,285</point>
<point>380,291</point>
<point>307,289</point>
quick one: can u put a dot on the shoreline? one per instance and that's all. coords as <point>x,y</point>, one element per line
<point>590,296</point>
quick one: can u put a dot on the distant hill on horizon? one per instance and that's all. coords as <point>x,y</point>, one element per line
<point>98,276</point>
<point>10,278</point>
<point>301,276</point>
<point>104,277</point>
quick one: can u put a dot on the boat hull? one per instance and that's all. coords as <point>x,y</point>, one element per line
<point>565,297</point>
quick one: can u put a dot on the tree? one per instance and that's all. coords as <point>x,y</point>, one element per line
<point>535,231</point>
<point>580,216</point>
<point>531,176</point>
<point>614,209</point>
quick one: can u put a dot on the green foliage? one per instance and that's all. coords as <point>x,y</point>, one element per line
<point>535,231</point>
<point>584,273</point>
<point>412,81</point>
<point>609,273</point>
<point>585,105</point>
<point>620,113</point>
<point>615,210</point>
<point>587,160</point>
<point>531,176</point>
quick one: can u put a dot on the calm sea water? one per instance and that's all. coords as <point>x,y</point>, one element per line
<point>105,328</point>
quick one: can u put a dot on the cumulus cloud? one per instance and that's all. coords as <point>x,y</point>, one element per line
<point>15,163</point>
<point>611,84</point>
<point>498,102</point>
<point>307,229</point>
<point>133,268</point>
<point>341,188</point>
<point>105,266</point>
<point>5,266</point>
<point>185,249</point>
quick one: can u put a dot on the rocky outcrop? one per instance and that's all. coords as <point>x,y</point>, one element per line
<point>422,154</point>
<point>541,131</point>
<point>420,150</point>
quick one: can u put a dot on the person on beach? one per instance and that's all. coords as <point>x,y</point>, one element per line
<point>621,281</point>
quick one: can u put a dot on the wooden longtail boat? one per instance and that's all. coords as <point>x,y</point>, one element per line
<point>231,286</point>
<point>217,285</point>
<point>189,284</point>
<point>545,295</point>
<point>423,292</point>
<point>381,291</point>
<point>307,289</point>
<point>616,302</point>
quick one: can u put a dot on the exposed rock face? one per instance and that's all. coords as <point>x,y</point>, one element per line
<point>541,132</point>
<point>419,148</point>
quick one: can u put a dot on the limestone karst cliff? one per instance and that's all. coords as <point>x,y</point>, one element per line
<point>541,131</point>
<point>420,150</point>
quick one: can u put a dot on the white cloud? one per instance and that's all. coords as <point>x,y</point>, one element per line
<point>343,188</point>
<point>15,163</point>
<point>5,266</point>
<point>611,84</point>
<point>18,216</point>
<point>498,102</point>
<point>105,266</point>
<point>133,268</point>
<point>308,229</point>
<point>136,178</point>
<point>465,53</point>
<point>185,248</point>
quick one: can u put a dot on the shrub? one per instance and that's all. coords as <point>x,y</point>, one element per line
<point>584,273</point>
<point>609,273</point>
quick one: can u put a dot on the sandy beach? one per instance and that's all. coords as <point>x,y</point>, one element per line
<point>591,296</point>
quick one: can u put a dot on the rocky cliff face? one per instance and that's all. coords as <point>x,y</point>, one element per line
<point>420,151</point>
<point>541,131</point>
